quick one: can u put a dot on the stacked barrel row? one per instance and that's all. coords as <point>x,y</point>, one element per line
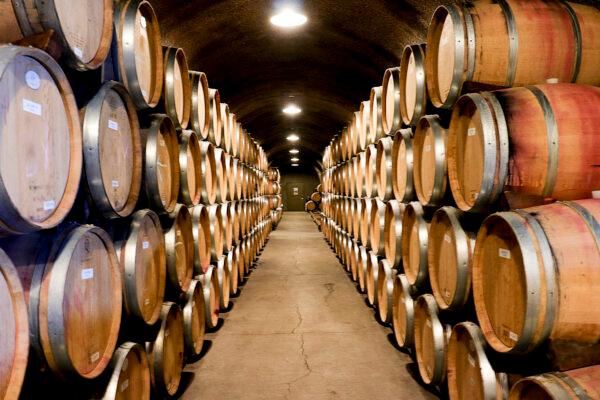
<point>273,195</point>
<point>133,205</point>
<point>313,204</point>
<point>467,216</point>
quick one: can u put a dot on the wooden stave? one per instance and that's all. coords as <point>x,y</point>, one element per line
<point>419,53</point>
<point>385,191</point>
<point>372,274</point>
<point>232,267</point>
<point>394,75</point>
<point>385,290</point>
<point>214,131</point>
<point>188,140</point>
<point>42,271</point>
<point>377,227</point>
<point>13,223</point>
<point>156,351</point>
<point>417,279</point>
<point>570,385</point>
<point>235,225</point>
<point>90,120</point>
<point>402,299</point>
<point>10,277</point>
<point>240,256</point>
<point>440,184</point>
<point>362,268</point>
<point>364,134</point>
<point>354,259</point>
<point>224,282</point>
<point>150,180</point>
<point>407,193</point>
<point>226,222</point>
<point>171,56</point>
<point>225,128</point>
<point>118,365</point>
<point>365,221</point>
<point>376,124</point>
<point>180,220</point>
<point>222,187</point>
<point>194,308</point>
<point>216,232</point>
<point>393,226</point>
<point>371,189</point>
<point>210,288</point>
<point>209,169</point>
<point>437,375</point>
<point>199,81</point>
<point>125,39</point>
<point>201,222</point>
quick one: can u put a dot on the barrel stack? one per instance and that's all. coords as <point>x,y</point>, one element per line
<point>110,286</point>
<point>460,199</point>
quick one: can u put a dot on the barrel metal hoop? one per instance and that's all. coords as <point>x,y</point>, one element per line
<point>578,40</point>
<point>552,138</point>
<point>488,375</point>
<point>421,98</point>
<point>439,339</point>
<point>423,241</point>
<point>513,46</point>
<point>574,385</point>
<point>503,144</point>
<point>441,167</point>
<point>22,17</point>
<point>470,29</point>
<point>462,255</point>
<point>532,279</point>
<point>550,274</point>
<point>589,219</point>
<point>459,57</point>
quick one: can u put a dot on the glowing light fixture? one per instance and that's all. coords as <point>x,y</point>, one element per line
<point>288,18</point>
<point>292,109</point>
<point>294,151</point>
<point>295,159</point>
<point>293,138</point>
<point>295,165</point>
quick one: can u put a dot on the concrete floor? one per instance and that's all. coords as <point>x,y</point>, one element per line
<point>300,330</point>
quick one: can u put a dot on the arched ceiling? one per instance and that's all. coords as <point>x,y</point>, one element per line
<point>329,65</point>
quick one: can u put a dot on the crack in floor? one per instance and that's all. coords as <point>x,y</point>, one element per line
<point>299,314</point>
<point>330,289</point>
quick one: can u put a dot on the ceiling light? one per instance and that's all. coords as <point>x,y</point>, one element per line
<point>294,151</point>
<point>295,159</point>
<point>288,18</point>
<point>292,109</point>
<point>295,165</point>
<point>293,138</point>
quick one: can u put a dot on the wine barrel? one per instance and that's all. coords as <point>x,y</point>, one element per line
<point>235,222</point>
<point>390,101</point>
<point>140,246</point>
<point>489,154</point>
<point>357,217</point>
<point>415,241</point>
<point>72,283</point>
<point>212,296</point>
<point>233,270</point>
<point>42,163</point>
<point>580,383</point>
<point>200,104</point>
<point>363,261</point>
<point>430,168</point>
<point>413,100</point>
<point>214,132</point>
<point>234,134</point>
<point>536,267</point>
<point>310,206</point>
<point>15,326</point>
<point>354,259</point>
<point>392,236</point>
<point>366,205</point>
<point>403,317</point>
<point>231,174</point>
<point>177,93</point>
<point>216,232</point>
<point>130,376</point>
<point>226,223</point>
<point>402,166</point>
<point>220,171</point>
<point>509,44</point>
<point>201,230</point>
<point>112,151</point>
<point>450,256</point>
<point>84,30</point>
<point>179,249</point>
<point>431,341</point>
<point>356,127</point>
<point>225,128</point>
<point>371,276</point>
<point>365,124</point>
<point>190,159</point>
<point>209,173</point>
<point>194,319</point>
<point>375,120</point>
<point>161,164</point>
<point>316,197</point>
<point>137,54</point>
<point>469,370</point>
<point>371,189</point>
<point>240,259</point>
<point>165,353</point>
<point>384,163</point>
<point>385,290</point>
<point>377,225</point>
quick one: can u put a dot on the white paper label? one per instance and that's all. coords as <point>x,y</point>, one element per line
<point>552,80</point>
<point>447,238</point>
<point>124,385</point>
<point>94,357</point>
<point>115,184</point>
<point>114,125</point>
<point>178,232</point>
<point>87,273</point>
<point>427,148</point>
<point>49,205</point>
<point>145,244</point>
<point>33,80</point>
<point>504,253</point>
<point>513,336</point>
<point>78,52</point>
<point>146,302</point>
<point>471,360</point>
<point>143,22</point>
<point>429,323</point>
<point>32,107</point>
<point>471,132</point>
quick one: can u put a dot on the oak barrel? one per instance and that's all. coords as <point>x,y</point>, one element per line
<point>390,101</point>
<point>40,166</point>
<point>202,238</point>
<point>577,384</point>
<point>376,123</point>
<point>510,43</point>
<point>130,374</point>
<point>490,152</point>
<point>208,169</point>
<point>365,125</point>
<point>179,248</point>
<point>385,189</point>
<point>190,160</point>
<point>534,278</point>
<point>430,168</point>
<point>385,291</point>
<point>362,263</point>
<point>214,131</point>
<point>220,171</point>
<point>403,313</point>
<point>224,280</point>
<point>165,353</point>
<point>112,151</point>
<point>371,276</point>
<point>194,319</point>
<point>377,227</point>
<point>216,232</point>
<point>413,84</point>
<point>415,241</point>
<point>138,54</point>
<point>227,225</point>
<point>72,283</point>
<point>392,232</point>
<point>84,30</point>
<point>225,127</point>
<point>403,166</point>
<point>177,93</point>
<point>200,106</point>
<point>371,189</point>
<point>212,296</point>
<point>233,268</point>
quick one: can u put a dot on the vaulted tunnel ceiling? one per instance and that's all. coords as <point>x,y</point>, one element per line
<point>328,65</point>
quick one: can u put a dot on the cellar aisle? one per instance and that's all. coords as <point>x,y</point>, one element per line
<point>300,330</point>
